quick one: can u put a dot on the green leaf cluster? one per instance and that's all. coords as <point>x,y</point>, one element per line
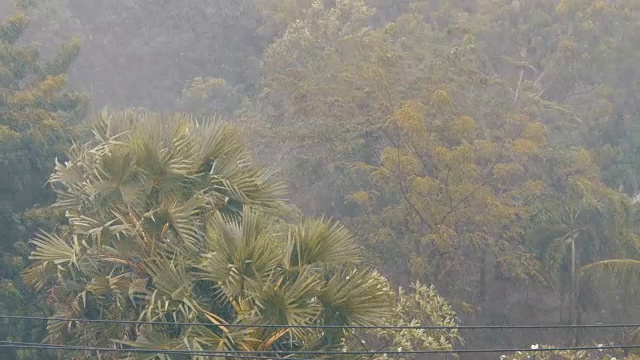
<point>169,220</point>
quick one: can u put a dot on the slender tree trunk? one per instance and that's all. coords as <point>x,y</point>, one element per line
<point>483,275</point>
<point>417,250</point>
<point>562,296</point>
<point>578,333</point>
<point>578,320</point>
<point>572,282</point>
<point>407,271</point>
<point>575,303</point>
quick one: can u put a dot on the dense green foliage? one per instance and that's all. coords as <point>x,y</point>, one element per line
<point>471,147</point>
<point>487,147</point>
<point>36,118</point>
<point>170,221</point>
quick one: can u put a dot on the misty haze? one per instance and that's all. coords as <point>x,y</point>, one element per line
<point>319,179</point>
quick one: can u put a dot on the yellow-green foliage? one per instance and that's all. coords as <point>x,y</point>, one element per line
<point>449,187</point>
<point>600,354</point>
<point>452,131</point>
<point>37,114</point>
<point>33,101</point>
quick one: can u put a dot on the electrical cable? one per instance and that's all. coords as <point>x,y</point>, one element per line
<point>387,327</point>
<point>243,353</point>
<point>219,354</point>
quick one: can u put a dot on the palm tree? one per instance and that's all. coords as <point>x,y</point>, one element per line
<point>170,221</point>
<point>590,222</point>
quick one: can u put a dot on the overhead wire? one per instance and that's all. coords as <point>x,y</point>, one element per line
<point>243,354</point>
<point>301,326</point>
<point>219,354</point>
<point>268,354</point>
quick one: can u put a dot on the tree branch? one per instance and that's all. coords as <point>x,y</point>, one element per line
<point>403,191</point>
<point>466,197</point>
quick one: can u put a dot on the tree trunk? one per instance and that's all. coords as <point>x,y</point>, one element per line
<point>572,282</point>
<point>575,303</point>
<point>562,296</point>
<point>417,249</point>
<point>578,321</point>
<point>483,276</point>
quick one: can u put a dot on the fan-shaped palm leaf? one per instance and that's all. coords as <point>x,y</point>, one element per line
<point>248,186</point>
<point>105,129</point>
<point>355,297</point>
<point>117,179</point>
<point>241,253</point>
<point>71,176</point>
<point>170,278</point>
<point>51,247</point>
<point>318,241</point>
<point>179,217</point>
<point>218,143</point>
<point>208,339</point>
<point>282,302</point>
<point>150,338</point>
<point>40,273</point>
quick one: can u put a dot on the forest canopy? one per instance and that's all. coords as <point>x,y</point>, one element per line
<point>307,162</point>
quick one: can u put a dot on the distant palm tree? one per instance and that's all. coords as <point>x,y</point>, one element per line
<point>591,219</point>
<point>617,268</point>
<point>622,269</point>
<point>170,221</point>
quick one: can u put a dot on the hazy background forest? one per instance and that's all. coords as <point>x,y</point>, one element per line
<point>490,148</point>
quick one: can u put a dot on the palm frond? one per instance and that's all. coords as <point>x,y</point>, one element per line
<point>181,218</point>
<point>319,241</point>
<point>289,302</point>
<point>247,186</point>
<point>105,127</point>
<point>209,340</point>
<point>163,148</point>
<point>67,173</point>
<point>219,145</point>
<point>71,177</point>
<point>40,273</point>
<point>170,278</point>
<point>355,297</point>
<point>93,229</point>
<point>240,253</point>
<point>624,271</point>
<point>155,340</point>
<point>116,179</point>
<point>229,168</point>
<point>51,247</point>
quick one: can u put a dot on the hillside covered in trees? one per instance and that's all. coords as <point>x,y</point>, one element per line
<point>274,172</point>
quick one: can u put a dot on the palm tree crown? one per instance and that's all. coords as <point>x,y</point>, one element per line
<point>170,221</point>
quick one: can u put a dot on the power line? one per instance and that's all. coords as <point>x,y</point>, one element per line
<point>387,327</point>
<point>219,354</point>
<point>247,354</point>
